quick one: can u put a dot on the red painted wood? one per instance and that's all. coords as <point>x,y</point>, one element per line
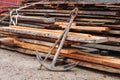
<point>6,3</point>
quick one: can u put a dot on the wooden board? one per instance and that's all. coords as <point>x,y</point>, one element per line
<point>46,43</point>
<point>30,46</point>
<point>107,61</point>
<point>88,28</point>
<point>78,37</point>
<point>114,32</point>
<point>37,19</point>
<point>114,39</point>
<point>104,47</point>
<point>80,12</point>
<point>95,66</point>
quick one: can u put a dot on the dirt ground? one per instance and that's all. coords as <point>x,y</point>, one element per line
<point>16,66</point>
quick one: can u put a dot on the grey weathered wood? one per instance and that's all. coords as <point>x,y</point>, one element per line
<point>85,49</point>
<point>114,32</point>
<point>36,42</point>
<point>104,47</point>
<point>37,19</point>
<point>68,12</point>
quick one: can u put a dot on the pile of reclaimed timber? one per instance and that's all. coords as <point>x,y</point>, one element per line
<point>96,29</point>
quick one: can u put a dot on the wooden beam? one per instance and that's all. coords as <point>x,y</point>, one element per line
<point>38,19</point>
<point>64,23</point>
<point>114,32</point>
<point>95,66</point>
<point>67,15</point>
<point>30,46</point>
<point>7,41</point>
<point>3,15</point>
<point>113,26</point>
<point>69,11</point>
<point>114,39</point>
<point>97,20</point>
<point>104,47</point>
<point>49,31</point>
<point>88,28</point>
<point>107,61</point>
<point>25,51</point>
<point>54,34</point>
<point>46,43</point>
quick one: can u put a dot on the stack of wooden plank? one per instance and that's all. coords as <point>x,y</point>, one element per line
<point>96,28</point>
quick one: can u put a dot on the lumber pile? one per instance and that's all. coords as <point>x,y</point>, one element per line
<point>95,30</point>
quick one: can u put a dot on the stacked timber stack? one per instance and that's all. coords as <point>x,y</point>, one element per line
<point>95,29</point>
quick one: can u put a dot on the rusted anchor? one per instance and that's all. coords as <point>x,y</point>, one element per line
<point>62,38</point>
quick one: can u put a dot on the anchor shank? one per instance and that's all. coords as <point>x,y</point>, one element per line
<point>63,40</point>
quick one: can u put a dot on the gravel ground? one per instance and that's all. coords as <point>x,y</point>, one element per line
<point>16,66</point>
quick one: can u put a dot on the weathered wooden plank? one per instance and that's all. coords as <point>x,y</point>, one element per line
<point>104,47</point>
<point>24,51</point>
<point>114,32</point>
<point>68,12</point>
<point>95,66</point>
<point>30,46</point>
<point>117,26</point>
<point>37,19</point>
<point>64,23</point>
<point>54,34</point>
<point>7,41</point>
<point>84,49</point>
<point>3,15</point>
<point>67,15</point>
<point>114,39</point>
<point>88,28</point>
<point>46,43</point>
<point>38,42</point>
<point>21,50</point>
<point>107,61</point>
<point>97,20</point>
